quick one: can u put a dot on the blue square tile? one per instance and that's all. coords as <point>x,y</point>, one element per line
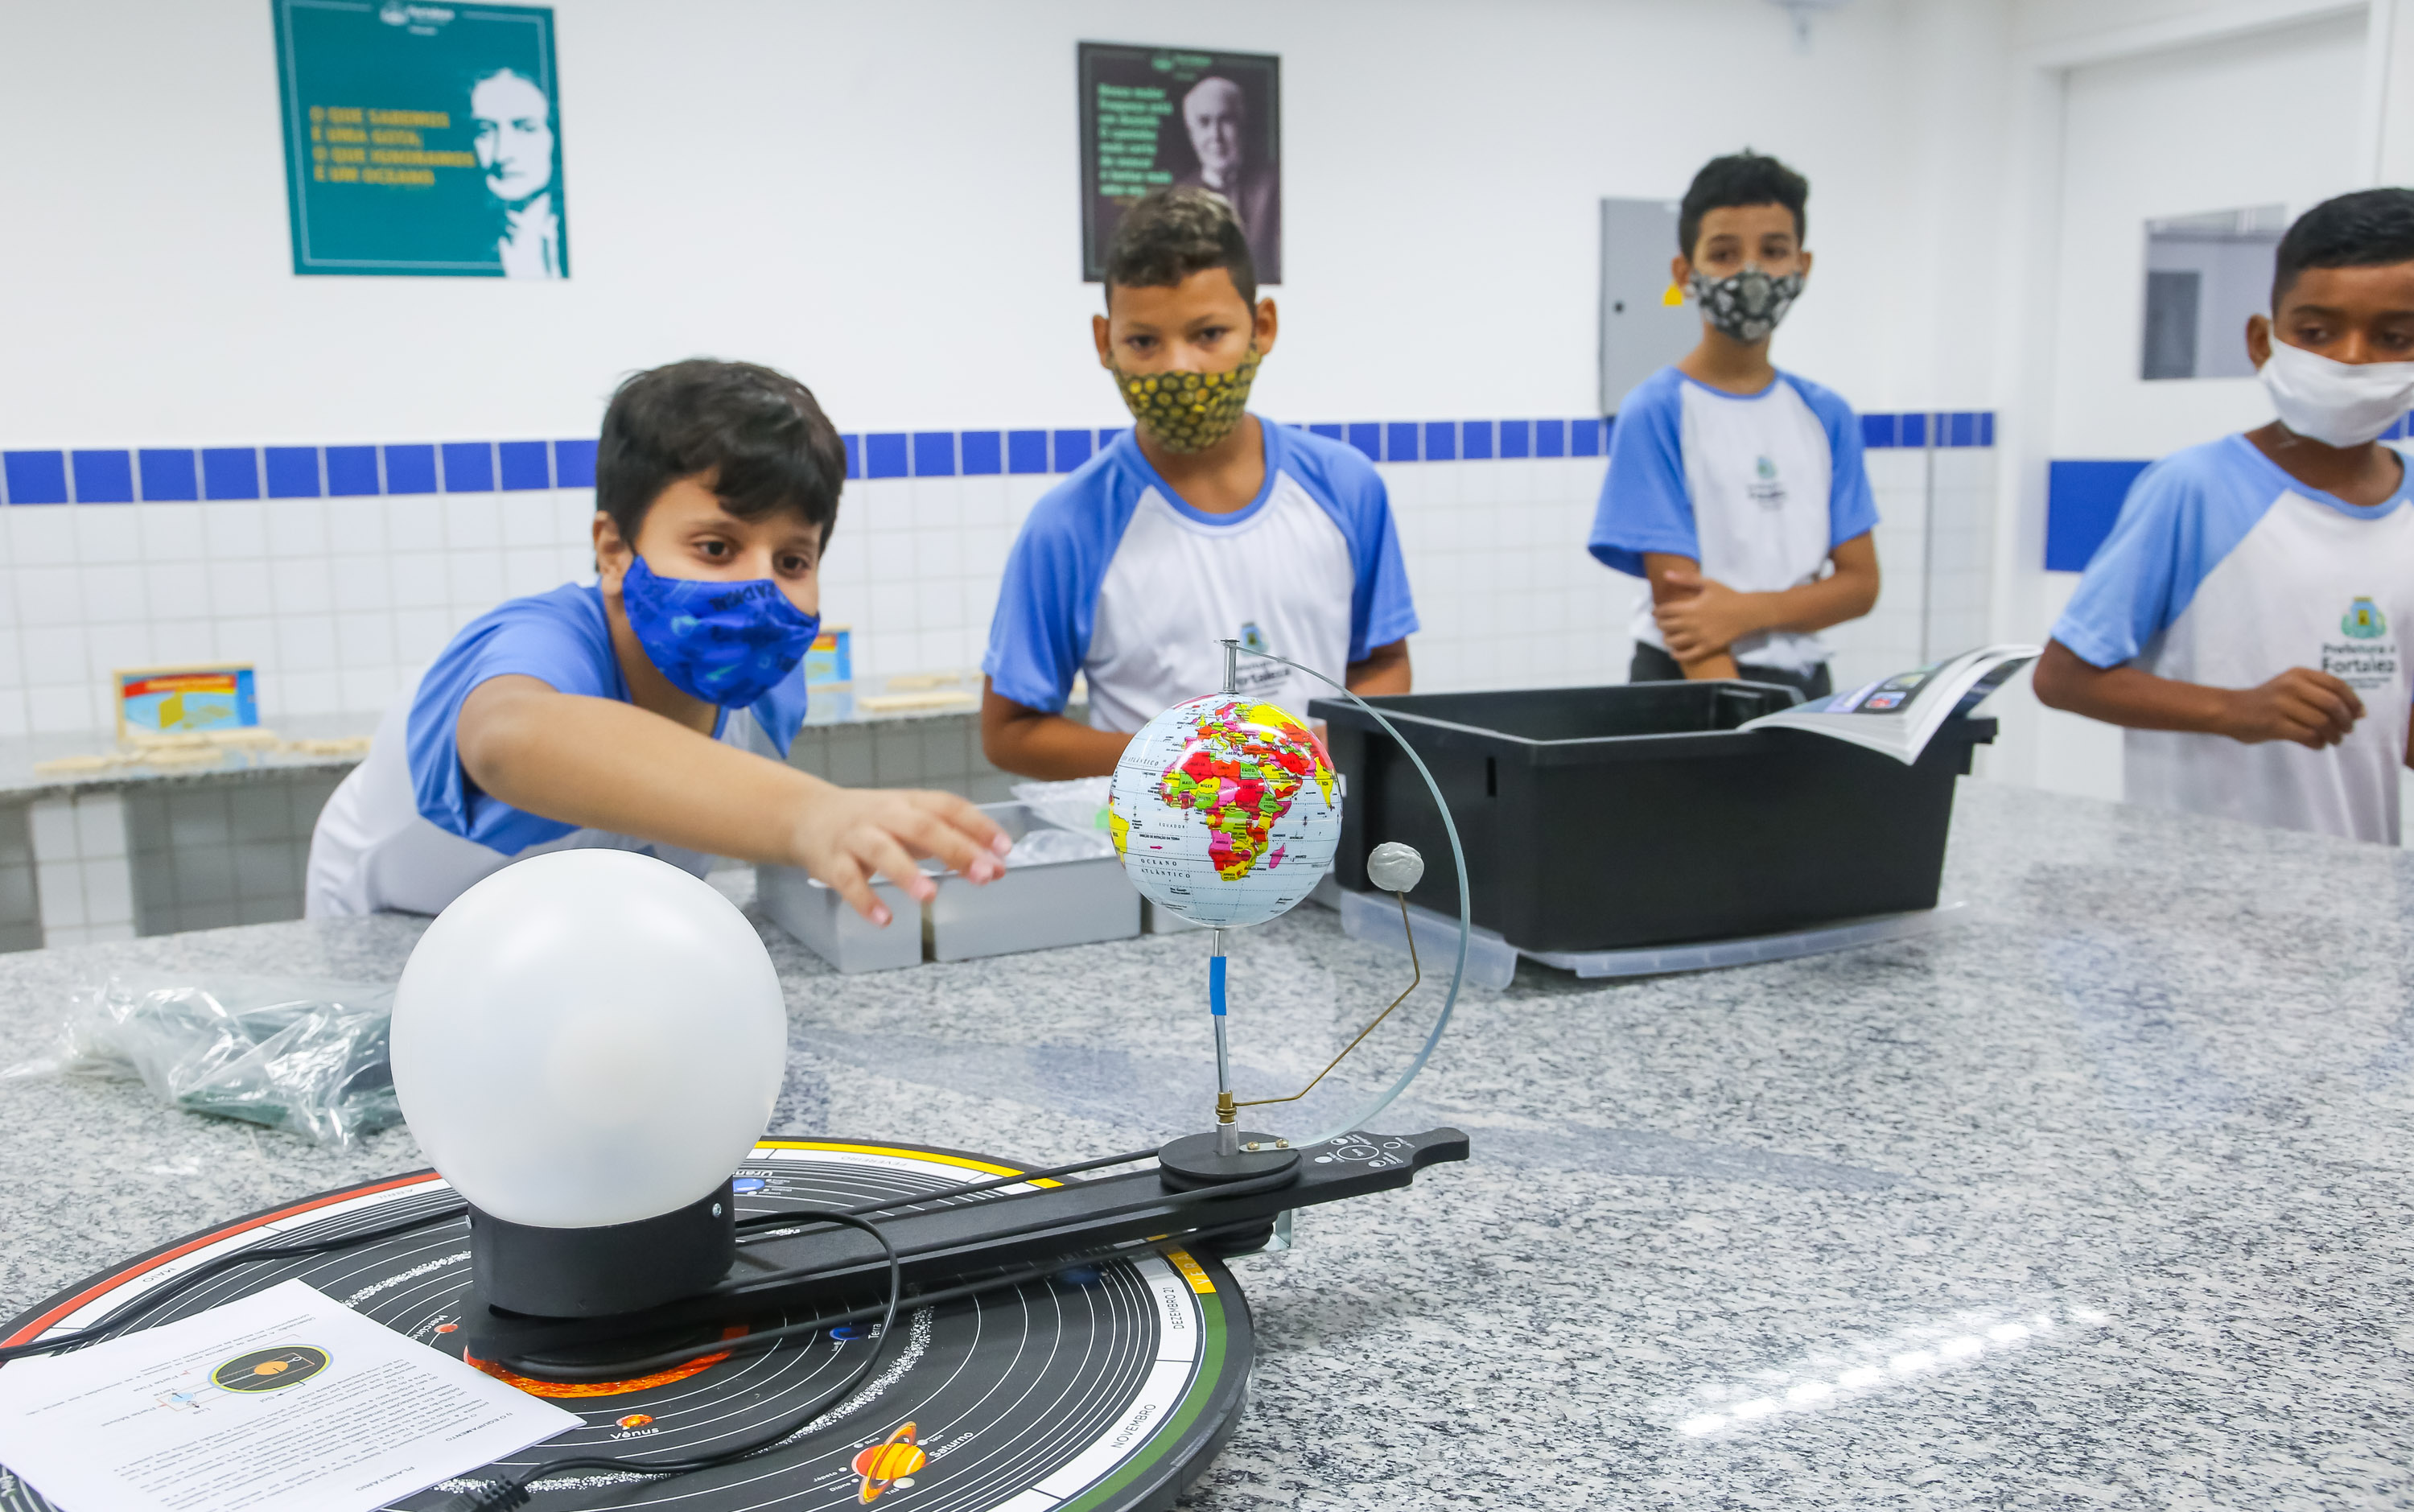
<point>1986,427</point>
<point>169,474</point>
<point>1877,432</point>
<point>1368,438</point>
<point>411,469</point>
<point>1026,451</point>
<point>1441,440</point>
<point>2082,500</point>
<point>36,477</point>
<point>884,453</point>
<point>1328,432</point>
<point>853,456</point>
<point>292,472</point>
<point>1583,436</point>
<point>1965,429</point>
<point>527,464</point>
<point>1516,439</point>
<point>1400,440</point>
<point>1550,438</point>
<point>1911,428</point>
<point>104,477</point>
<point>1475,439</point>
<point>468,467</point>
<point>1108,435</point>
<point>351,472</point>
<point>934,454</point>
<point>573,464</point>
<point>230,472</point>
<point>984,453</point>
<point>1072,449</point>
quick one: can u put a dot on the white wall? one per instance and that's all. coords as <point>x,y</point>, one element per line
<point>884,198</point>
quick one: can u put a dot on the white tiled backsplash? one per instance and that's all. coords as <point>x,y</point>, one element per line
<point>338,600</point>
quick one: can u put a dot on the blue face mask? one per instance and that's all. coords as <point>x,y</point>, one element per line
<point>725,643</point>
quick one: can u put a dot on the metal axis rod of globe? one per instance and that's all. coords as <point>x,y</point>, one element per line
<point>1227,1127</point>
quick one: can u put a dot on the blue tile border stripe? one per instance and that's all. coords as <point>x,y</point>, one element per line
<point>117,475</point>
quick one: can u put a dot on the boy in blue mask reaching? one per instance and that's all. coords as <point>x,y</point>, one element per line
<point>2244,618</point>
<point>1732,486</point>
<point>653,710</point>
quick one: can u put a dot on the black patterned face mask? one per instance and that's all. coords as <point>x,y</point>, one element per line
<point>1746,306</point>
<point>1186,412</point>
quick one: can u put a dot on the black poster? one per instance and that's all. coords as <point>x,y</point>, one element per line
<point>1153,116</point>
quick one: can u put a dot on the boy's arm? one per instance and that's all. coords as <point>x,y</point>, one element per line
<point>1700,617</point>
<point>2312,709</point>
<point>606,765</point>
<point>1384,669</point>
<point>1033,743</point>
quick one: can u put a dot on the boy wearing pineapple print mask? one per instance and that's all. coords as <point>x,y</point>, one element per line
<point>1202,522</point>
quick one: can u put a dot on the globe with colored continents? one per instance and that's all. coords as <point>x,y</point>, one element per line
<point>1225,810</point>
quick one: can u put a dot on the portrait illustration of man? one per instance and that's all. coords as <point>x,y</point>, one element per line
<point>1215,113</point>
<point>515,141</point>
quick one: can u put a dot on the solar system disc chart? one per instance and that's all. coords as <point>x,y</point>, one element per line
<point>1104,1388</point>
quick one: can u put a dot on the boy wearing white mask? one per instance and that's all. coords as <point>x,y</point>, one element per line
<point>2244,618</point>
<point>1733,487</point>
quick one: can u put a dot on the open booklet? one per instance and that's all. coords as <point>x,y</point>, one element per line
<point>1899,714</point>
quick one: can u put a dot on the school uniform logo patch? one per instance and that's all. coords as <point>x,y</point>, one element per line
<point>1766,488</point>
<point>2367,660</point>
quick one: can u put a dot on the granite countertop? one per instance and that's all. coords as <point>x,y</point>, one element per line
<point>2096,1196</point>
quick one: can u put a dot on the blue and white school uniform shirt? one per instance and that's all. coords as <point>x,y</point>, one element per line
<point>1759,488</point>
<point>409,830</point>
<point>1116,578</point>
<point>2225,571</point>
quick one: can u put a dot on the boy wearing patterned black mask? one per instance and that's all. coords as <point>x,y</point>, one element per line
<point>653,709</point>
<point>1200,523</point>
<point>1734,488</point>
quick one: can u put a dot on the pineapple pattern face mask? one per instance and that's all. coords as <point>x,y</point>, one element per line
<point>1185,413</point>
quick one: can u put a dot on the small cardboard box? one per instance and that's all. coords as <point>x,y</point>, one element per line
<point>160,703</point>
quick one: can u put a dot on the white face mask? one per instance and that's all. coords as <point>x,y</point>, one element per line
<point>2336,403</point>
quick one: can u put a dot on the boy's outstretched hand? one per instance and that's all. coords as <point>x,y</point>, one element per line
<point>2312,709</point>
<point>849,835</point>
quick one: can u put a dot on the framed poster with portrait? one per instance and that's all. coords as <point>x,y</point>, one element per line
<point>421,139</point>
<point>1156,116</point>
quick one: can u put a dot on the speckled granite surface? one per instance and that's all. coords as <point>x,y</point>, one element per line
<point>2099,1197</point>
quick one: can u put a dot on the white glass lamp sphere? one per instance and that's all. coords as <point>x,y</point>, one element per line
<point>588,1038</point>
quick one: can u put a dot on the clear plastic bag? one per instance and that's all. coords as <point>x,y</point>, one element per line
<point>306,1056</point>
<point>1079,805</point>
<point>1042,845</point>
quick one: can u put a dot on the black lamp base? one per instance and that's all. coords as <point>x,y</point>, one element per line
<point>596,1272</point>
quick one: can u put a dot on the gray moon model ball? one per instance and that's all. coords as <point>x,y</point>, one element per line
<point>1394,867</point>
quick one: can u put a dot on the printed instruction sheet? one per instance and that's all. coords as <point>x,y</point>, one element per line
<point>285,1402</point>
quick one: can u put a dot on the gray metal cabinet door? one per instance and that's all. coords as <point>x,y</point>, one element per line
<point>1639,334</point>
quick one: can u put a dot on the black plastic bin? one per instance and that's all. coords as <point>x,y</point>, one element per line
<point>1596,818</point>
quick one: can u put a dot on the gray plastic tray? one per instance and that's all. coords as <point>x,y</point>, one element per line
<point>1036,907</point>
<point>1492,962</point>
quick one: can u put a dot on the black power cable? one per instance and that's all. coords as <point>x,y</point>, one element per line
<point>225,1262</point>
<point>514,1491</point>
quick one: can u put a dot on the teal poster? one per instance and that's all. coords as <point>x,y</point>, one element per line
<point>421,139</point>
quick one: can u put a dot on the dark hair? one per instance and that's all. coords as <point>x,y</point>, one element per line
<point>755,436</point>
<point>2363,229</point>
<point>1744,178</point>
<point>1168,234</point>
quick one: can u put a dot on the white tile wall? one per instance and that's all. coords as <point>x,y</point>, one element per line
<point>83,879</point>
<point>20,910</point>
<point>207,856</point>
<point>334,599</point>
<point>337,600</point>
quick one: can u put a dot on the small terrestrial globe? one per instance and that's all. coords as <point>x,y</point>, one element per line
<point>1225,810</point>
